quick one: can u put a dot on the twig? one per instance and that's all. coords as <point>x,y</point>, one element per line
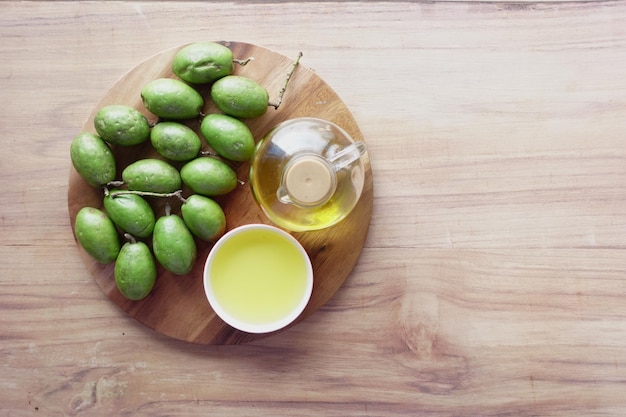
<point>130,238</point>
<point>176,193</point>
<point>279,99</point>
<point>243,62</point>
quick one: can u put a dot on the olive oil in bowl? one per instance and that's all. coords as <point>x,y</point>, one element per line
<point>258,278</point>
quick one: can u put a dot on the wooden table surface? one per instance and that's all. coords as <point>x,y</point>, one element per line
<point>493,277</point>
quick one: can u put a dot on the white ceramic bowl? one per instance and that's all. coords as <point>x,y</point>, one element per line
<point>258,278</point>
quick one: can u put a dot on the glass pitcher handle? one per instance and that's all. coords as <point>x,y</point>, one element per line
<point>348,155</point>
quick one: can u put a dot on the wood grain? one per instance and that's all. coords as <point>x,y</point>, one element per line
<point>177,306</point>
<point>492,281</point>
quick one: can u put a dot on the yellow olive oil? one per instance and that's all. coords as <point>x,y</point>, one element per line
<point>258,276</point>
<point>307,174</point>
<point>294,217</point>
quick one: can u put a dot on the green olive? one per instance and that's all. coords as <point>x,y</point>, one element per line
<point>204,217</point>
<point>97,234</point>
<point>240,96</point>
<point>229,137</point>
<point>203,62</point>
<point>151,175</point>
<point>92,158</point>
<point>171,99</point>
<point>135,270</point>
<point>173,245</point>
<point>131,213</point>
<point>121,125</point>
<point>208,176</point>
<point>175,141</point>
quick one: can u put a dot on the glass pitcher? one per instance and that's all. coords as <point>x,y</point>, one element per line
<point>307,174</point>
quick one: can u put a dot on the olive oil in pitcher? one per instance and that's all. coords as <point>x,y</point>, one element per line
<point>307,174</point>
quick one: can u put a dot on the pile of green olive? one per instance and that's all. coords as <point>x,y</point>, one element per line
<point>167,239</point>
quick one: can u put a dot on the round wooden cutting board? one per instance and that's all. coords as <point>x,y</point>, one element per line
<point>177,306</point>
